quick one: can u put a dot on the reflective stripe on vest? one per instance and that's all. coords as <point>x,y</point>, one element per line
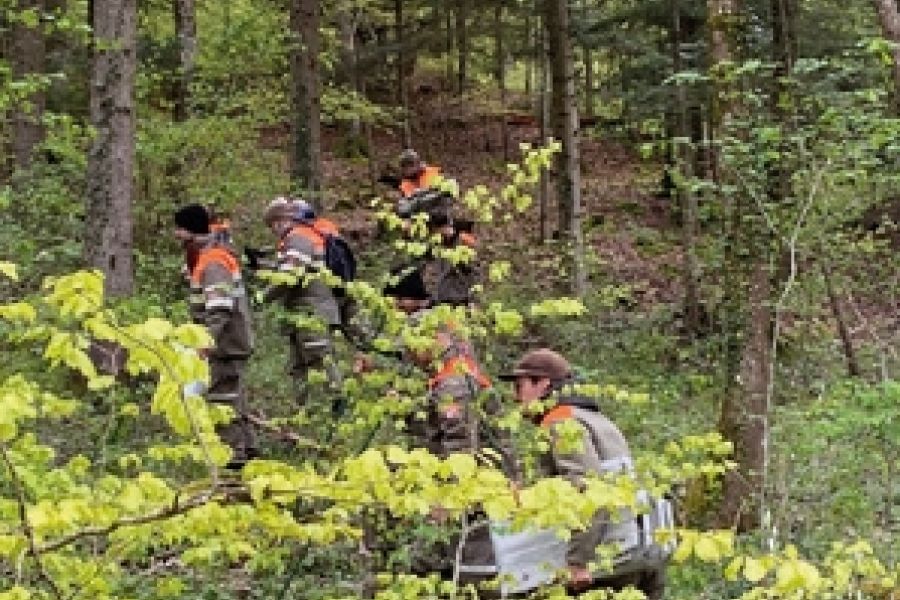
<point>209,256</point>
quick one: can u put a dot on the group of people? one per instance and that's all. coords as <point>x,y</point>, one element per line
<point>451,422</point>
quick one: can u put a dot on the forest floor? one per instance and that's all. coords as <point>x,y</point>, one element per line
<point>629,225</point>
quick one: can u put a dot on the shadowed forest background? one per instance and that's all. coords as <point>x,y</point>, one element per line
<point>713,245</point>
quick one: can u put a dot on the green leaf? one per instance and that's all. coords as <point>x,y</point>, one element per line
<point>9,270</point>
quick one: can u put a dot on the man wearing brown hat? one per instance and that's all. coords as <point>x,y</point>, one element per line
<point>544,376</point>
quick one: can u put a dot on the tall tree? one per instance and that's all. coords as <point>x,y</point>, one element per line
<point>565,125</point>
<point>347,25</point>
<point>462,44</point>
<point>186,29</point>
<point>306,143</point>
<point>683,152</point>
<point>402,61</point>
<point>110,171</point>
<point>28,57</point>
<point>588,55</point>
<point>889,18</point>
<point>500,74</point>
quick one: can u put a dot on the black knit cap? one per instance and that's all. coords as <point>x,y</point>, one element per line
<point>410,285</point>
<point>193,218</point>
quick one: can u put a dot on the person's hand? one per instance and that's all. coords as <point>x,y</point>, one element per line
<point>579,578</point>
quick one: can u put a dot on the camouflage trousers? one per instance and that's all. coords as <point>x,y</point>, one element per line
<point>226,386</point>
<point>311,351</point>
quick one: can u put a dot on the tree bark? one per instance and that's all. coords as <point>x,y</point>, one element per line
<point>501,75</point>
<point>186,29</point>
<point>684,156</point>
<point>462,45</point>
<point>565,110</point>
<point>588,55</point>
<point>529,55</point>
<point>110,170</point>
<point>349,74</point>
<point>306,155</point>
<point>745,411</point>
<point>853,368</point>
<point>28,57</point>
<point>402,84</point>
<point>889,19</point>
<point>744,414</point>
<point>543,52</point>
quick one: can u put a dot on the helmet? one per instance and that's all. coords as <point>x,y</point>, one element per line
<point>409,158</point>
<point>303,210</point>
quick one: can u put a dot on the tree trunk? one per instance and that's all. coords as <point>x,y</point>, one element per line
<point>853,369</point>
<point>110,170</point>
<point>306,155</point>
<point>186,28</point>
<point>28,55</point>
<point>448,24</point>
<point>462,45</point>
<point>501,76</point>
<point>349,73</point>
<point>684,158</point>
<point>588,55</point>
<point>744,415</point>
<point>529,58</point>
<point>889,19</point>
<point>745,412</point>
<point>565,112</point>
<point>402,85</point>
<point>544,119</point>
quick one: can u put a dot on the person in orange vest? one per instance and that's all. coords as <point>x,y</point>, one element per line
<point>451,423</point>
<point>301,251</point>
<point>544,377</point>
<point>218,300</point>
<point>447,281</point>
<point>415,174</point>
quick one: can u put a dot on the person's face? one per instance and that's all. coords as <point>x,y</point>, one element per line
<point>530,389</point>
<point>279,226</point>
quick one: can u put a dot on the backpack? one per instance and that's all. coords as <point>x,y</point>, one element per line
<point>339,256</point>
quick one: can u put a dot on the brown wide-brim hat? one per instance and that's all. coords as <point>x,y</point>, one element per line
<point>541,363</point>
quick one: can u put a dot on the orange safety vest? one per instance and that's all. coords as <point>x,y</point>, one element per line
<point>426,179</point>
<point>460,365</point>
<point>305,231</point>
<point>214,254</point>
<point>562,412</point>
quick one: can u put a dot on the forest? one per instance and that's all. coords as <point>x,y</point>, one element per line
<point>693,202</point>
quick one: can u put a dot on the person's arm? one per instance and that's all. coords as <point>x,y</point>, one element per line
<point>574,463</point>
<point>218,299</point>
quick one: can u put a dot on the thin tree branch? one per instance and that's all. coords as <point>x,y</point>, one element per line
<point>26,525</point>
